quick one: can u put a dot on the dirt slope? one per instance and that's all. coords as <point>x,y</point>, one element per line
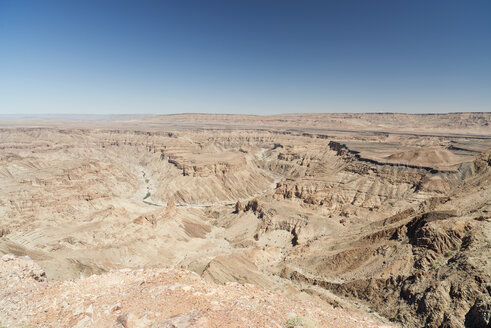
<point>153,298</point>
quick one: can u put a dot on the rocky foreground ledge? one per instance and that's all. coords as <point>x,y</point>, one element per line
<point>152,298</point>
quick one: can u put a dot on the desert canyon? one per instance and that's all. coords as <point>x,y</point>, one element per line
<point>207,220</point>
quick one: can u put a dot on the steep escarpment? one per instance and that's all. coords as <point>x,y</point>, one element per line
<point>429,269</point>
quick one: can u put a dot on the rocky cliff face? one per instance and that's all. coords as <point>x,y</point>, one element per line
<point>421,269</point>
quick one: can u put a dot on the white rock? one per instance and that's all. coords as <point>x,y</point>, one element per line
<point>78,310</point>
<point>90,310</point>
<point>115,307</point>
<point>8,257</point>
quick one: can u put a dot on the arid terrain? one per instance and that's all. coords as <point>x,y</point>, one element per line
<point>197,220</point>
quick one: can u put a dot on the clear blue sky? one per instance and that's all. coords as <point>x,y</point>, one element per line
<point>260,57</point>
